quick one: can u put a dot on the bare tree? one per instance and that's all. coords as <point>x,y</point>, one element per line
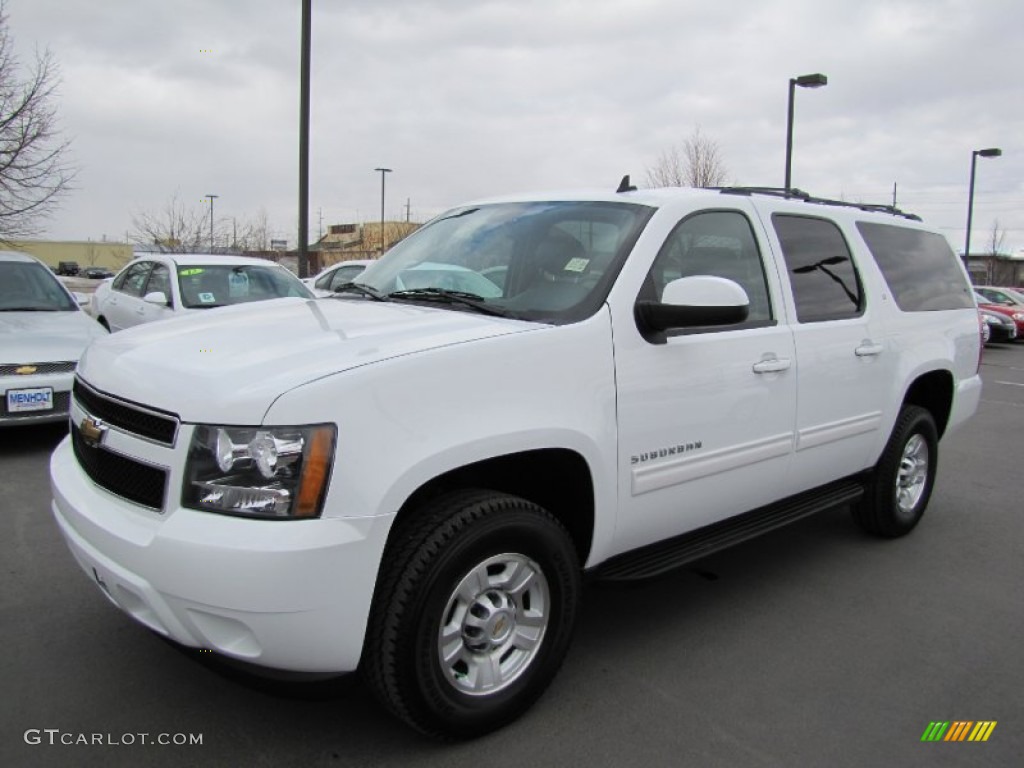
<point>254,234</point>
<point>697,163</point>
<point>997,238</point>
<point>176,228</point>
<point>34,167</point>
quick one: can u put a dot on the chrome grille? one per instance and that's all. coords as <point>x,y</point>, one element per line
<point>11,369</point>
<point>159,426</point>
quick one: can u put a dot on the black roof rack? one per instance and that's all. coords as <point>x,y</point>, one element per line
<point>798,194</point>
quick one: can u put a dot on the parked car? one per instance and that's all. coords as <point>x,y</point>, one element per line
<point>999,327</point>
<point>43,332</point>
<point>96,273</point>
<point>1016,314</point>
<point>67,268</point>
<point>1010,297</point>
<point>412,479</point>
<point>160,286</point>
<point>335,275</point>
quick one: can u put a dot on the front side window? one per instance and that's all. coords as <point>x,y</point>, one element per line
<point>820,266</point>
<point>31,287</point>
<point>159,280</point>
<point>719,244</point>
<point>134,278</point>
<point>217,285</point>
<point>919,267</point>
<point>551,262</point>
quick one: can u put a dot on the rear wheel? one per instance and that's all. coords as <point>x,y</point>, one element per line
<point>473,615</point>
<point>903,478</point>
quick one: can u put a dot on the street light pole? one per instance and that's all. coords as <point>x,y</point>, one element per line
<point>382,172</point>
<point>212,198</point>
<point>990,152</point>
<point>804,81</point>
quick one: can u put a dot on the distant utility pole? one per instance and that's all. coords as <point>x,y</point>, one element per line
<point>894,194</point>
<point>212,198</point>
<point>320,227</point>
<point>408,209</point>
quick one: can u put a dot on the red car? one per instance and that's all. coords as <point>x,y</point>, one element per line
<point>1014,312</point>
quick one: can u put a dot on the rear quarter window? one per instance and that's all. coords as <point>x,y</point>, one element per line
<point>920,268</point>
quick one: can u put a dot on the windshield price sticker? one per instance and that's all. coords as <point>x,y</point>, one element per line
<point>25,400</point>
<point>207,298</point>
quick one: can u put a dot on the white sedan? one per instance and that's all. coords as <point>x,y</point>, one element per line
<point>325,283</point>
<point>43,332</point>
<point>159,286</point>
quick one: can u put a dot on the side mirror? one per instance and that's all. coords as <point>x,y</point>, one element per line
<point>693,302</point>
<point>156,297</point>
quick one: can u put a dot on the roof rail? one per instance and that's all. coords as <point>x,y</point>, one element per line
<point>798,194</point>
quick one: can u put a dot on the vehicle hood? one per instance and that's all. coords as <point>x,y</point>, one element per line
<point>40,337</point>
<point>229,365</point>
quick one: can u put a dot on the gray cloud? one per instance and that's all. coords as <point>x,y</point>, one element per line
<point>468,99</point>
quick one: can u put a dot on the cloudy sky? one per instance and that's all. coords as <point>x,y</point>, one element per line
<point>471,98</point>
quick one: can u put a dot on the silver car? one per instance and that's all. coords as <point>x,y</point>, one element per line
<point>43,332</point>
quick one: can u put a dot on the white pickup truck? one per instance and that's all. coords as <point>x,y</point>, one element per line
<point>413,477</point>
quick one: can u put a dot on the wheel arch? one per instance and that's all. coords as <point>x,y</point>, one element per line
<point>557,479</point>
<point>933,391</point>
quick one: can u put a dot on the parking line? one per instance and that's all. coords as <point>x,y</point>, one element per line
<point>1011,383</point>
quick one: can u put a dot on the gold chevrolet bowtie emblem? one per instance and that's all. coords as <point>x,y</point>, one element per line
<point>92,431</point>
<point>25,370</point>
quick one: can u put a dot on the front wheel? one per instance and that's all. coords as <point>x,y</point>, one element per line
<point>473,614</point>
<point>902,482</point>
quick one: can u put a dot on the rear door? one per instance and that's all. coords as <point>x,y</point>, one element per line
<point>845,359</point>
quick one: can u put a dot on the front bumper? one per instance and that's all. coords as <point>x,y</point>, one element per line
<point>60,383</point>
<point>290,595</point>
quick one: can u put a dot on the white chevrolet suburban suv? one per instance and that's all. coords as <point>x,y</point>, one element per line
<point>413,477</point>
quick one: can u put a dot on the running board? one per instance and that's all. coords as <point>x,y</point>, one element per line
<point>656,559</point>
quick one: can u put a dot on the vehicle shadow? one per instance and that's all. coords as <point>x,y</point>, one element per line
<point>31,438</point>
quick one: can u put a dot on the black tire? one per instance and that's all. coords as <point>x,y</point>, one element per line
<point>902,481</point>
<point>439,549</point>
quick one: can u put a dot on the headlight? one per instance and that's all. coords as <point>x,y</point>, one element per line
<point>1018,315</point>
<point>265,472</point>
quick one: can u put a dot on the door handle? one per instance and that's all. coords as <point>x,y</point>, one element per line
<point>773,365</point>
<point>868,348</point>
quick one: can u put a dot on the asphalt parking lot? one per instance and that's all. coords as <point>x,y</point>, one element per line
<point>812,646</point>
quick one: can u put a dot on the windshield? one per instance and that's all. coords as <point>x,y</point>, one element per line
<point>546,261</point>
<point>218,285</point>
<point>26,286</point>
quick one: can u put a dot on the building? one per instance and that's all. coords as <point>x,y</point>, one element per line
<point>1005,269</point>
<point>86,253</point>
<point>344,242</point>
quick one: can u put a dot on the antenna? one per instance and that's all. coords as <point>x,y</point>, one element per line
<point>625,186</point>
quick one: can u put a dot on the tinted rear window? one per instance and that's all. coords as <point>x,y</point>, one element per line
<point>920,268</point>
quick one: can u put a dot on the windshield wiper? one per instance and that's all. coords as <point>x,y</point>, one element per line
<point>445,296</point>
<point>27,309</point>
<point>361,288</point>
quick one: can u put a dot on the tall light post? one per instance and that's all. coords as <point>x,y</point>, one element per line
<point>212,198</point>
<point>975,154</point>
<point>382,172</point>
<point>804,81</point>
